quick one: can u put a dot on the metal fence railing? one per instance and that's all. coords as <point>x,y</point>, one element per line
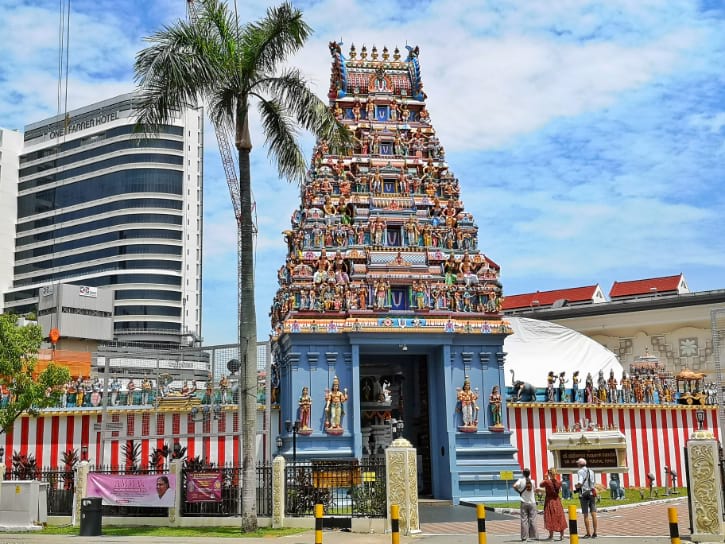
<point>345,487</point>
<point>228,502</point>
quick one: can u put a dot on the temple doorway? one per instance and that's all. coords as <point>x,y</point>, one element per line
<point>395,402</point>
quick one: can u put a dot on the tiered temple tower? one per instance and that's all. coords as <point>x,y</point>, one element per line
<point>388,311</point>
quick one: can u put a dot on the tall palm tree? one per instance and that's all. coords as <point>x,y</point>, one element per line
<point>229,67</point>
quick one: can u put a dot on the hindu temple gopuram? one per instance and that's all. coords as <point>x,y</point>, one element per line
<point>387,317</point>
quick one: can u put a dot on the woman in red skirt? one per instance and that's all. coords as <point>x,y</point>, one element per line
<point>554,519</point>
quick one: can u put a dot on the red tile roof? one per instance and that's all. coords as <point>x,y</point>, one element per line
<point>664,284</point>
<point>547,298</point>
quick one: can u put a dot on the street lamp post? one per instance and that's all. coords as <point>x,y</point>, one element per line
<point>280,443</point>
<point>294,429</point>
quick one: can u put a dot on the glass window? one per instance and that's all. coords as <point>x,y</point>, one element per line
<point>141,180</point>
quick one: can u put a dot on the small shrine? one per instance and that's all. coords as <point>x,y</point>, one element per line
<point>387,319</point>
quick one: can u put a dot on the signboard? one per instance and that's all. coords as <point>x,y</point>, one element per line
<point>507,475</point>
<point>596,459</point>
<point>85,291</point>
<point>204,487</point>
<point>133,490</point>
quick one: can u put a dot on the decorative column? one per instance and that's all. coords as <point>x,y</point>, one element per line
<point>175,469</point>
<point>401,472</point>
<point>278,495</point>
<point>705,487</point>
<point>81,482</point>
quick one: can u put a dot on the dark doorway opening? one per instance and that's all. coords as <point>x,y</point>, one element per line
<point>394,402</point>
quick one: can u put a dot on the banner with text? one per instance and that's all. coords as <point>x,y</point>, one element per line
<point>204,487</point>
<point>133,490</point>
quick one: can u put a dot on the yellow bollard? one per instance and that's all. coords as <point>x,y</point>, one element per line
<point>674,529</point>
<point>573,535</point>
<point>318,523</point>
<point>395,523</point>
<point>481,515</point>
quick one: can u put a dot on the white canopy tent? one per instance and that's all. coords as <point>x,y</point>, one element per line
<point>538,347</point>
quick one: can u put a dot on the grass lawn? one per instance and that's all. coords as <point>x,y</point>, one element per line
<point>146,530</point>
<point>631,496</point>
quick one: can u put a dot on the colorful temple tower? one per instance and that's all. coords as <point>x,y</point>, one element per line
<point>387,320</point>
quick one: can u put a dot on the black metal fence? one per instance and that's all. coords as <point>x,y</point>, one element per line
<point>345,487</point>
<point>228,505</point>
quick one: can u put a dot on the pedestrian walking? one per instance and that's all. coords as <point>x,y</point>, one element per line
<point>587,496</point>
<point>526,487</point>
<point>554,519</point>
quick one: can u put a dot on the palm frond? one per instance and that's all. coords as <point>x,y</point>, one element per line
<point>270,41</point>
<point>292,90</point>
<point>183,65</point>
<point>281,140</point>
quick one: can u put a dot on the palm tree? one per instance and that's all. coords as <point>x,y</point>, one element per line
<point>227,66</point>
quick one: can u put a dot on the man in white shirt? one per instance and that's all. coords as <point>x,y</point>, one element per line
<point>587,496</point>
<point>526,488</point>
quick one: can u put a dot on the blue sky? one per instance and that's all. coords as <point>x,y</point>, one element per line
<point>588,136</point>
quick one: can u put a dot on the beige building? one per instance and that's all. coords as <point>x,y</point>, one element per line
<point>659,316</point>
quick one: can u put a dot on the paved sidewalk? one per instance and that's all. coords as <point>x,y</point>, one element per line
<point>635,524</point>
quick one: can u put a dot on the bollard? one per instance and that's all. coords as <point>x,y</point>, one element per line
<point>318,524</point>
<point>674,529</point>
<point>481,515</point>
<point>395,523</point>
<point>573,535</point>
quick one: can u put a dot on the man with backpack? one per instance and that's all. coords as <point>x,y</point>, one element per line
<point>587,496</point>
<point>526,488</point>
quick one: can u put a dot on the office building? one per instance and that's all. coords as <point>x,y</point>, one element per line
<point>101,204</point>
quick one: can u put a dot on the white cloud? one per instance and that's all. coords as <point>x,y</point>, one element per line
<point>587,134</point>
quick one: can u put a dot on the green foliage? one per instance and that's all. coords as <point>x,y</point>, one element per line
<point>18,356</point>
<point>370,498</point>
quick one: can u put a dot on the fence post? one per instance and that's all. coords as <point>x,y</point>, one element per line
<point>82,471</point>
<point>278,492</point>
<point>175,468</point>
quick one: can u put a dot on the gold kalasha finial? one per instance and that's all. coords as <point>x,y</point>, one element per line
<point>375,53</point>
<point>386,55</point>
<point>396,53</point>
<point>364,52</point>
<point>353,52</point>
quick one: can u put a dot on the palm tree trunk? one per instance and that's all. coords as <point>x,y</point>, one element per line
<point>248,341</point>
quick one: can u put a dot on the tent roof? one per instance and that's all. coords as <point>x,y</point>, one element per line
<point>537,347</point>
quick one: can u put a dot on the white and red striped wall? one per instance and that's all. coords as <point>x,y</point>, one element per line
<point>52,433</point>
<point>656,435</point>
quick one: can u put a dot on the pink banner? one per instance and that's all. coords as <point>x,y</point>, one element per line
<point>204,487</point>
<point>133,490</point>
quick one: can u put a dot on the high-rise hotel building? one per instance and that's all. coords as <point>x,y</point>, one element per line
<point>102,204</point>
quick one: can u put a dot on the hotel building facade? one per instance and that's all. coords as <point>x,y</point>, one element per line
<point>102,205</point>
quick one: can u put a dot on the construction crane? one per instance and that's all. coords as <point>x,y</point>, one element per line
<point>230,170</point>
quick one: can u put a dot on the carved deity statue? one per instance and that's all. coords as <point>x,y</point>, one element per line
<point>494,404</point>
<point>305,404</point>
<point>468,406</point>
<point>334,399</point>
